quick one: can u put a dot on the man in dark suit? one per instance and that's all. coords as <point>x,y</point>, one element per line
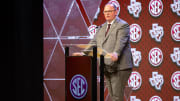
<point>113,37</point>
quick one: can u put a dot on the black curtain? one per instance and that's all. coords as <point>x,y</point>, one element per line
<point>25,50</point>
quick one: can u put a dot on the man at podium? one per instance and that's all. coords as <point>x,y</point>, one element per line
<point>113,38</point>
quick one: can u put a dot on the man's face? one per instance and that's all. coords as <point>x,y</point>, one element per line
<point>109,12</point>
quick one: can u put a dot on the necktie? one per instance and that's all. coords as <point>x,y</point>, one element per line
<point>107,29</point>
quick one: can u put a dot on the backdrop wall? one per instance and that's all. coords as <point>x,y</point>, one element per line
<point>155,42</point>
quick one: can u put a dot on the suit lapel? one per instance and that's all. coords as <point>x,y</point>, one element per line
<point>103,32</point>
<point>110,30</point>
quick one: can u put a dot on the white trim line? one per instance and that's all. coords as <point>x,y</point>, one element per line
<point>55,79</point>
<point>45,70</point>
<point>82,17</point>
<point>47,92</point>
<point>67,16</point>
<point>51,38</point>
<point>50,19</point>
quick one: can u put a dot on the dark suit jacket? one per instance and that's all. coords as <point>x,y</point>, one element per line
<point>116,40</point>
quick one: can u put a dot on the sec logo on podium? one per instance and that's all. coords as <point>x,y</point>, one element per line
<point>78,86</point>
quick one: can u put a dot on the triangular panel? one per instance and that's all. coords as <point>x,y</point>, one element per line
<point>48,30</point>
<point>91,8</point>
<point>57,10</point>
<point>75,25</point>
<point>49,46</point>
<point>56,66</point>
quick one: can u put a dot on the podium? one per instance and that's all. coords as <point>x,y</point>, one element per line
<point>81,77</point>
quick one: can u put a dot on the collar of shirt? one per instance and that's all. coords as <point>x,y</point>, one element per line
<point>110,23</point>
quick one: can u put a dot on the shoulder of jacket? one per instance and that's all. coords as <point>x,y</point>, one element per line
<point>103,24</point>
<point>121,21</point>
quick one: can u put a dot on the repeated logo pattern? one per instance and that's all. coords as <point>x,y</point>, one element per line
<point>116,3</point>
<point>175,56</point>
<point>133,98</point>
<point>155,98</point>
<point>175,31</point>
<point>136,57</point>
<point>157,80</point>
<point>135,80</point>
<point>175,80</point>
<point>155,57</point>
<point>135,32</point>
<point>155,8</point>
<point>176,7</point>
<point>92,31</point>
<point>176,98</point>
<point>156,32</point>
<point>135,8</point>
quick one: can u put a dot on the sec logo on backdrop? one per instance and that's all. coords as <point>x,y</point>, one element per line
<point>155,57</point>
<point>135,80</point>
<point>155,98</point>
<point>155,8</point>
<point>175,80</point>
<point>116,3</point>
<point>135,32</point>
<point>92,31</point>
<point>175,31</point>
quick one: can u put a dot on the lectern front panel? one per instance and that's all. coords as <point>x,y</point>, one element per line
<point>78,78</point>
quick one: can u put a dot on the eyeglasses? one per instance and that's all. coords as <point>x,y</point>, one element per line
<point>109,11</point>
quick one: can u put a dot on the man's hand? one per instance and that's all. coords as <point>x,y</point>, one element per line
<point>114,56</point>
<point>78,54</point>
